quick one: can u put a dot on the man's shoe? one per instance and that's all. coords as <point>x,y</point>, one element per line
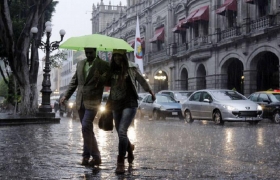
<point>85,161</point>
<point>95,162</point>
<point>130,156</point>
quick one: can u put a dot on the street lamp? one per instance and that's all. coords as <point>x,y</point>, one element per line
<point>45,109</point>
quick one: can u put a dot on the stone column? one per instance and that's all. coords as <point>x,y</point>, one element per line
<point>250,81</point>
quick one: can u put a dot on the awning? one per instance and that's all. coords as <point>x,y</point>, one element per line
<point>159,35</point>
<point>229,5</point>
<point>178,28</point>
<point>202,14</point>
<point>189,18</point>
<point>250,1</point>
<point>143,43</point>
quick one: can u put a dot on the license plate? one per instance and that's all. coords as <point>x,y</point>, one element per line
<point>174,113</point>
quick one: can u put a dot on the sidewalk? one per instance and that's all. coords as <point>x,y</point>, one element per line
<point>16,119</point>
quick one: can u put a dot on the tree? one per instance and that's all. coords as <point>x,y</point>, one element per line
<point>17,45</point>
<point>3,88</point>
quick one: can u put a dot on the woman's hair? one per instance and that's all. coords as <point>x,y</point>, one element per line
<point>122,68</point>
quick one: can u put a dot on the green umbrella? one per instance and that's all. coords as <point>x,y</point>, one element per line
<point>101,42</point>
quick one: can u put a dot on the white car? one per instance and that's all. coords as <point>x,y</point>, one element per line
<point>220,105</point>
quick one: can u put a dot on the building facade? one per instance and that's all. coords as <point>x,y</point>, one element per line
<point>197,44</point>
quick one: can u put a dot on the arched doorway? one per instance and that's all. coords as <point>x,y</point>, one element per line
<point>184,80</point>
<point>160,81</point>
<point>267,71</point>
<point>235,79</point>
<point>201,77</point>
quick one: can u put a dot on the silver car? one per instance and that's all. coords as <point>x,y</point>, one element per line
<point>220,105</point>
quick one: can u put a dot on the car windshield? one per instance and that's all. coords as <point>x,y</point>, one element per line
<point>227,95</point>
<point>275,97</point>
<point>164,99</point>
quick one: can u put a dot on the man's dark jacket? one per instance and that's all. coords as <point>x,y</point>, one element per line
<point>89,90</point>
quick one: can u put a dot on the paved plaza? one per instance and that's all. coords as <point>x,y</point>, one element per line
<point>169,149</point>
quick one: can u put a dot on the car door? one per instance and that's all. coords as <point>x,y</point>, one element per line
<point>206,106</point>
<point>146,106</point>
<point>264,101</point>
<point>194,105</point>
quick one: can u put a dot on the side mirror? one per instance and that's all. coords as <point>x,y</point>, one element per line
<point>266,101</point>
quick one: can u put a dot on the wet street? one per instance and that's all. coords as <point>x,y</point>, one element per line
<point>164,149</point>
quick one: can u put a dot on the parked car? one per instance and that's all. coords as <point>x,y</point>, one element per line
<point>141,96</point>
<point>69,107</point>
<point>164,106</point>
<point>179,95</point>
<point>270,102</point>
<point>220,105</point>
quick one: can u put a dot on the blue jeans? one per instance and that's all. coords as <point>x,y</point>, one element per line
<point>122,121</point>
<point>90,147</point>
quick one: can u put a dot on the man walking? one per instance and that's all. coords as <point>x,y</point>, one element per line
<point>89,80</point>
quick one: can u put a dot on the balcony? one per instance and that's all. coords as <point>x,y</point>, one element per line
<point>262,23</point>
<point>158,56</point>
<point>230,33</point>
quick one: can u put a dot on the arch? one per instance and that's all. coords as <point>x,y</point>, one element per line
<point>224,63</point>
<point>251,63</point>
<point>200,76</point>
<point>160,80</point>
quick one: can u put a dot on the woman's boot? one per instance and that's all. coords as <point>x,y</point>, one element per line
<point>130,156</point>
<point>120,165</point>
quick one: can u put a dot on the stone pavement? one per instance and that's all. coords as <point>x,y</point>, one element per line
<point>167,149</point>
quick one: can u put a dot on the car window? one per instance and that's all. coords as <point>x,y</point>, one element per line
<point>275,97</point>
<point>227,95</point>
<point>148,99</point>
<point>205,95</point>
<point>254,97</point>
<point>195,97</point>
<point>263,97</point>
<point>145,98</point>
<point>179,95</point>
<point>164,99</point>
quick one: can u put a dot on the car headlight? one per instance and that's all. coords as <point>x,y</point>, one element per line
<point>259,108</point>
<point>102,108</point>
<point>230,108</point>
<point>162,108</point>
<point>70,104</point>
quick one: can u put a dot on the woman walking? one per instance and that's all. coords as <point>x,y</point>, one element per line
<point>123,79</point>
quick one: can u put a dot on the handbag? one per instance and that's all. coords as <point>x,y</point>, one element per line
<point>106,119</point>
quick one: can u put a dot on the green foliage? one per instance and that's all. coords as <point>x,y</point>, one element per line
<point>57,59</point>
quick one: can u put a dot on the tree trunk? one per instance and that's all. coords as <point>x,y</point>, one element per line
<point>24,69</point>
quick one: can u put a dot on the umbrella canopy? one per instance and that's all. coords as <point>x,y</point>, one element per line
<point>101,42</point>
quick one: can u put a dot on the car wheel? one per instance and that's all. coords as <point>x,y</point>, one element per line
<point>276,117</point>
<point>253,122</point>
<point>156,115</point>
<point>217,117</point>
<point>188,117</point>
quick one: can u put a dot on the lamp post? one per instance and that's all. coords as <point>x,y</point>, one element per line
<point>45,110</point>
